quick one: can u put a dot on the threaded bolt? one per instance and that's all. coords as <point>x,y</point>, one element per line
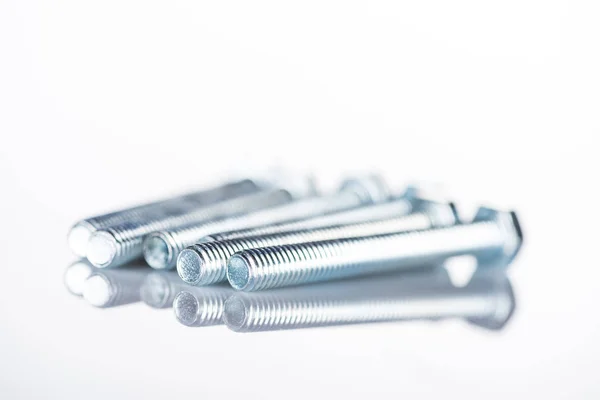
<point>162,248</point>
<point>206,263</point>
<point>195,307</point>
<point>80,233</point>
<point>117,245</point>
<point>487,301</point>
<point>491,236</point>
<point>366,213</point>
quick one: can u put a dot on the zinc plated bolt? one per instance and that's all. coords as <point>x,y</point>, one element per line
<point>161,248</point>
<point>196,307</point>
<point>117,245</point>
<point>487,301</point>
<point>111,288</point>
<point>396,207</point>
<point>206,263</point>
<point>492,235</point>
<point>80,233</point>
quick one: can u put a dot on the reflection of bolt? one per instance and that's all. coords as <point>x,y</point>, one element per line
<point>160,287</point>
<point>491,236</point>
<point>76,274</point>
<point>111,288</point>
<point>206,263</point>
<point>162,248</point>
<point>80,233</point>
<point>201,306</point>
<point>117,245</point>
<point>487,301</point>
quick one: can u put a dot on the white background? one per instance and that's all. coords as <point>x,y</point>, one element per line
<point>104,104</point>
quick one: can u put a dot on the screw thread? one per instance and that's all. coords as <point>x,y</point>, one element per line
<point>375,212</point>
<point>214,255</point>
<point>349,303</point>
<point>293,264</point>
<point>175,240</point>
<point>126,239</point>
<point>201,307</point>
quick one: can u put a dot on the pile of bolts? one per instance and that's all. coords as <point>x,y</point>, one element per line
<point>259,234</point>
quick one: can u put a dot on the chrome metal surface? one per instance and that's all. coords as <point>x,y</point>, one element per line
<point>206,263</point>
<point>117,245</point>
<point>487,301</point>
<point>398,207</point>
<point>80,233</point>
<point>491,236</point>
<point>162,248</point>
<point>195,307</point>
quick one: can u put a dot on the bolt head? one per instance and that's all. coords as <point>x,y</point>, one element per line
<point>505,302</point>
<point>441,214</point>
<point>509,223</point>
<point>370,188</point>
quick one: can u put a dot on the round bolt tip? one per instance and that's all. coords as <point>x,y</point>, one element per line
<point>76,275</point>
<point>186,308</point>
<point>155,290</point>
<point>189,266</point>
<point>97,291</point>
<point>157,252</point>
<point>238,272</point>
<point>101,249</point>
<point>78,238</point>
<point>234,313</point>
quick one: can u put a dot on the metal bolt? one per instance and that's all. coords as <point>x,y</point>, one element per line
<point>162,248</point>
<point>195,307</point>
<point>206,263</point>
<point>487,301</point>
<point>111,288</point>
<point>397,207</point>
<point>491,236</point>
<point>117,245</point>
<point>80,233</point>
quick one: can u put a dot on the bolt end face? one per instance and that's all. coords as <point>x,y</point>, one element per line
<point>158,252</point>
<point>79,236</point>
<point>505,309</point>
<point>510,224</point>
<point>186,308</point>
<point>155,290</point>
<point>101,249</point>
<point>235,313</point>
<point>238,272</point>
<point>76,275</point>
<point>370,188</point>
<point>189,266</point>
<point>98,291</point>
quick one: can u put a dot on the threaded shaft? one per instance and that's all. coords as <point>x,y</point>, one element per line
<point>293,264</point>
<point>351,302</point>
<point>201,306</point>
<point>213,256</point>
<point>162,248</point>
<point>375,212</point>
<point>120,244</point>
<point>81,231</point>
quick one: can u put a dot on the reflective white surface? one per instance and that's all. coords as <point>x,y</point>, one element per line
<point>110,104</point>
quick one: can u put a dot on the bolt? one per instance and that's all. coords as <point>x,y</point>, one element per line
<point>195,307</point>
<point>487,301</point>
<point>111,288</point>
<point>492,235</point>
<point>117,245</point>
<point>162,248</point>
<point>397,207</point>
<point>206,263</point>
<point>80,233</point>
